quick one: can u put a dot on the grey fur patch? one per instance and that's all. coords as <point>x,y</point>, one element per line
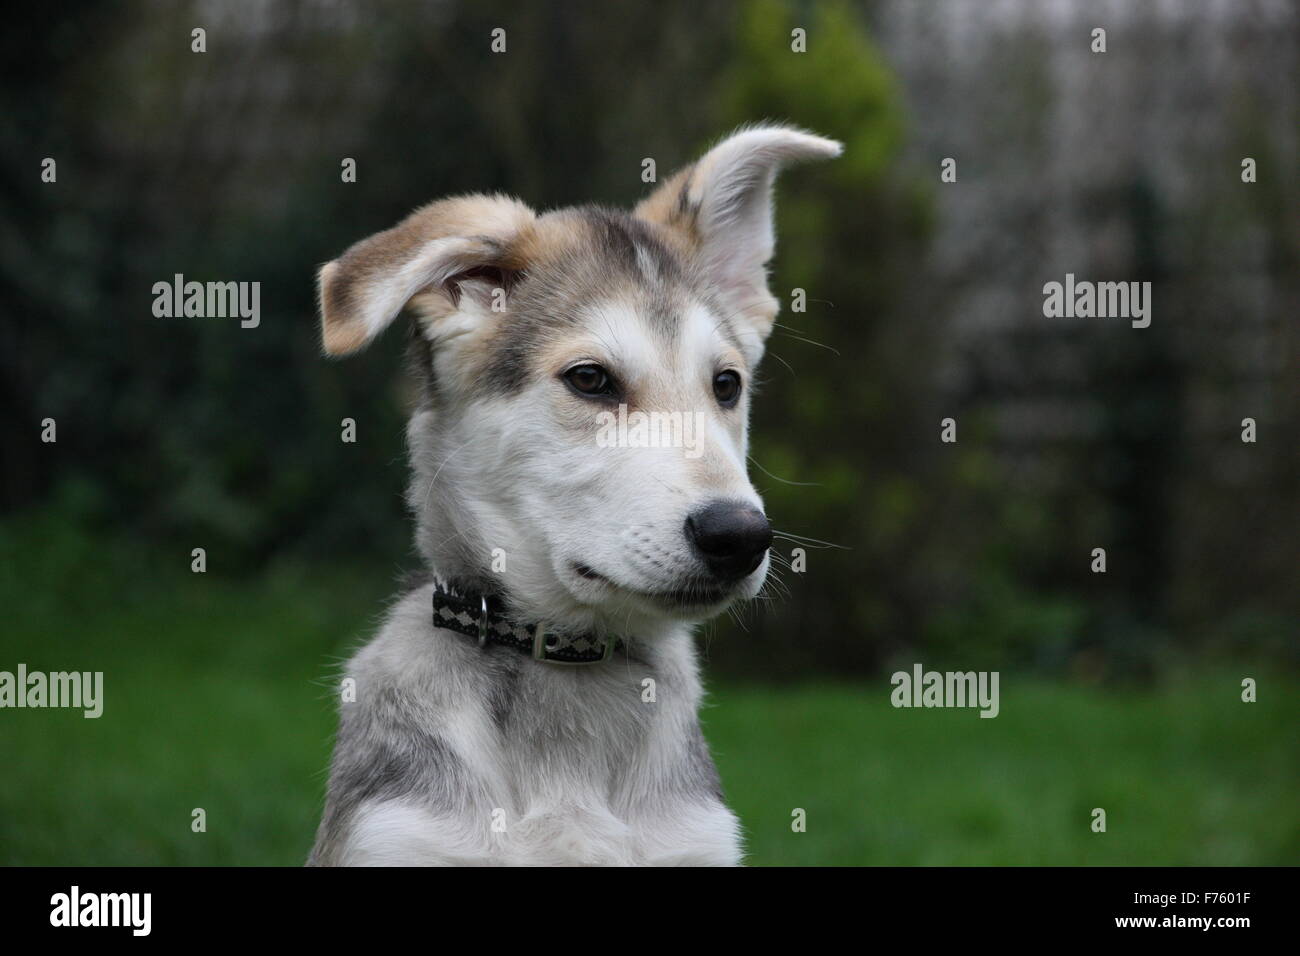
<point>701,773</point>
<point>419,363</point>
<point>506,666</point>
<point>381,753</point>
<point>415,579</point>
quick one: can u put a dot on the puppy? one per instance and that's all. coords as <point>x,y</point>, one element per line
<point>581,500</point>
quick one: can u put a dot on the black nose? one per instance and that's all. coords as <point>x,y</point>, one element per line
<point>731,536</point>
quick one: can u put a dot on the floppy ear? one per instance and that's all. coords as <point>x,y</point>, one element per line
<point>721,208</point>
<point>438,253</point>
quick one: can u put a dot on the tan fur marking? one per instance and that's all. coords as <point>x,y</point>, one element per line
<point>553,236</point>
<point>372,262</point>
<point>664,208</point>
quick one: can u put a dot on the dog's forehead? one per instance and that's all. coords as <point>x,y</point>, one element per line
<point>599,274</point>
<point>588,253</point>
<point>622,330</point>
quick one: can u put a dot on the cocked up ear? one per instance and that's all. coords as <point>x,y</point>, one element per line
<point>721,208</point>
<point>438,254</point>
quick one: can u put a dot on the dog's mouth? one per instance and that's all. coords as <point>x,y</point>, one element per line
<point>700,594</point>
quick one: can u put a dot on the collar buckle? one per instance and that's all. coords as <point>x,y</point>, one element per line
<point>542,648</point>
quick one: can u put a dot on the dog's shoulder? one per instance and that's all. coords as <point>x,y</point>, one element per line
<point>410,731</point>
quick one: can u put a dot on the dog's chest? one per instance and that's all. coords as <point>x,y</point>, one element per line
<point>564,768</point>
<point>600,771</point>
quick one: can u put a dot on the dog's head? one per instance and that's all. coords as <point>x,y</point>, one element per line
<point>582,444</point>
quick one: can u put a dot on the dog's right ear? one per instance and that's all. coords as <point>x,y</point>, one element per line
<point>439,253</point>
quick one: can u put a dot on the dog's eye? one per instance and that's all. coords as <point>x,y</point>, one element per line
<point>726,388</point>
<point>590,380</point>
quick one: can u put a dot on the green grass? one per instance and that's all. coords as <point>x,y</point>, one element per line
<point>1186,775</point>
<point>215,698</point>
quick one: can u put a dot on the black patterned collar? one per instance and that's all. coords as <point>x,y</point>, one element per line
<point>483,618</point>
